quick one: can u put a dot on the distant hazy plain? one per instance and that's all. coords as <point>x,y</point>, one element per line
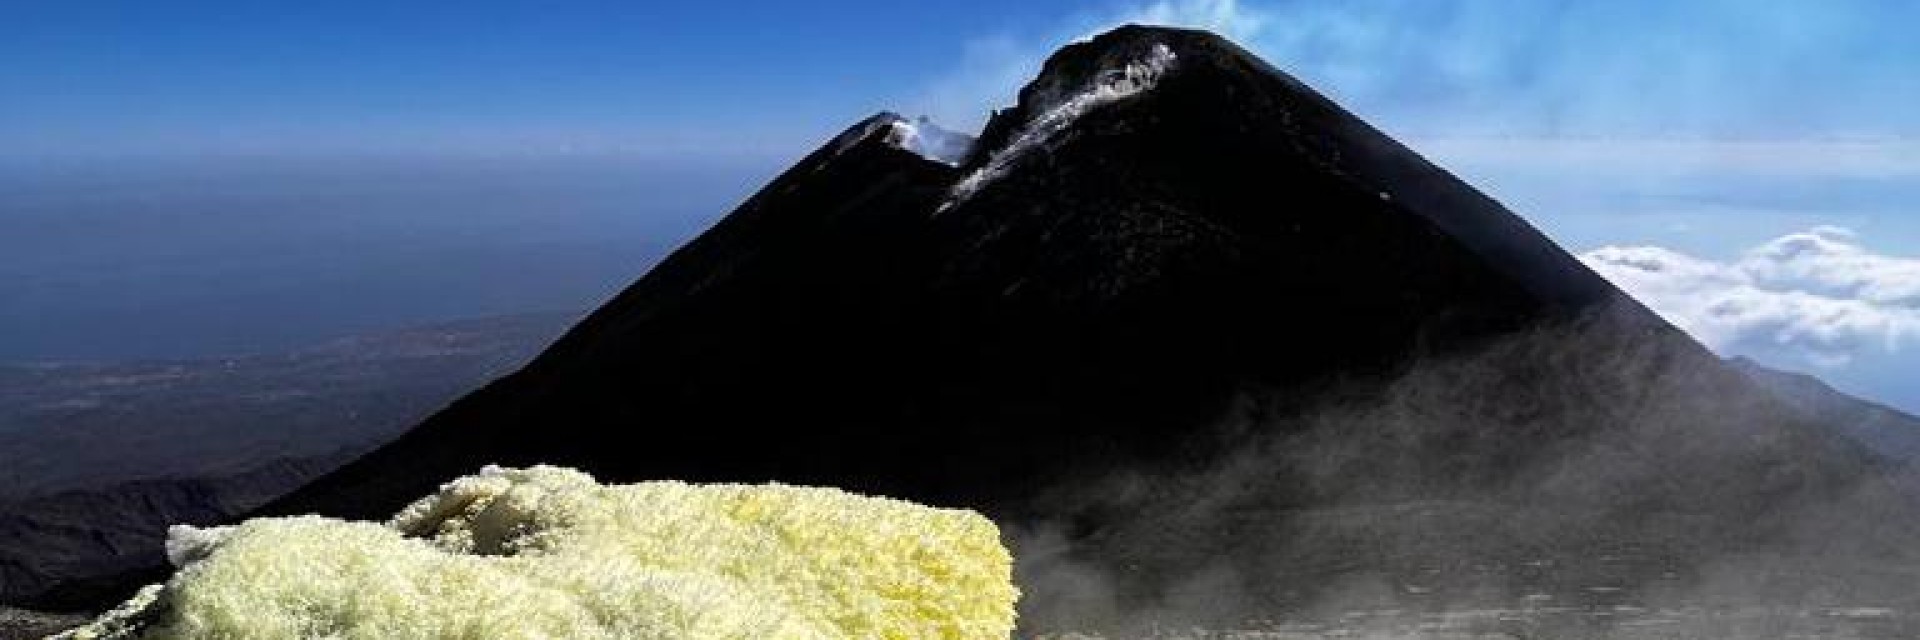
<point>152,258</point>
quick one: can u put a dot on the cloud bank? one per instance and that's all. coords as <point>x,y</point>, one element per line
<point>1818,294</point>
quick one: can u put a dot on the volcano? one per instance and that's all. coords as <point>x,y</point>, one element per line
<point>1162,224</point>
<point>1178,312</point>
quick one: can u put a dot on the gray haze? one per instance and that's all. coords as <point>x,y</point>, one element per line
<point>1576,481</point>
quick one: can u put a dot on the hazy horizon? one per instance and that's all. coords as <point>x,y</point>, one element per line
<point>224,177</point>
<point>231,257</point>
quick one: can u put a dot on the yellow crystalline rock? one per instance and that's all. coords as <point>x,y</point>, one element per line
<point>548,553</point>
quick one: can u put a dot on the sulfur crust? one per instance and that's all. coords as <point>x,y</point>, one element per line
<point>546,552</point>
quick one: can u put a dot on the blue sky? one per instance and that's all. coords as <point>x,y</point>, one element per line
<point>114,77</point>
<point>1710,130</point>
<point>141,77</point>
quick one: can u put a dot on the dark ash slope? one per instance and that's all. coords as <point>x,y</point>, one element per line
<point>1102,300</point>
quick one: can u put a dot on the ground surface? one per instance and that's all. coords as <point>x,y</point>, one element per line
<point>1554,623</point>
<point>19,624</point>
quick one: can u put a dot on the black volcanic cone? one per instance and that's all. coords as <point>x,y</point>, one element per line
<point>1167,258</point>
<point>1100,299</point>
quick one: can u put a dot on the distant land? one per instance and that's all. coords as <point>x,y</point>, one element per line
<point>83,425</point>
<point>99,458</point>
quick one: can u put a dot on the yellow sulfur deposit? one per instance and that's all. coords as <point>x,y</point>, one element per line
<point>548,553</point>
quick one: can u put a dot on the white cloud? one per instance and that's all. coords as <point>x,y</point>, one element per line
<point>1817,294</point>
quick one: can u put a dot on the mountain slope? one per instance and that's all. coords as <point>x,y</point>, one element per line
<point>56,549</point>
<point>1178,313</point>
<point>1886,430</point>
<point>99,458</point>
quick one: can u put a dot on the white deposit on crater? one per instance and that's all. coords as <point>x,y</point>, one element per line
<point>548,553</point>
